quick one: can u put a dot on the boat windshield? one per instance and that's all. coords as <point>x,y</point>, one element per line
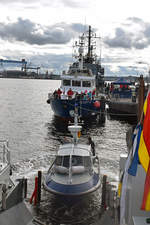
<point>76,161</point>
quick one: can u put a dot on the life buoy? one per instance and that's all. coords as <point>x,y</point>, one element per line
<point>97,104</point>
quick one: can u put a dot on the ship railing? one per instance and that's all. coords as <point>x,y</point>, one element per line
<point>79,74</point>
<point>83,97</point>
<point>74,96</point>
<point>4,152</point>
<point>5,166</point>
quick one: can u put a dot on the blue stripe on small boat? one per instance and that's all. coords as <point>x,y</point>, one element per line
<point>73,189</point>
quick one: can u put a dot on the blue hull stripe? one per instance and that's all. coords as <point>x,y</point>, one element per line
<point>77,189</point>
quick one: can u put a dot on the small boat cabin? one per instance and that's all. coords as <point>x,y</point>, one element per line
<point>78,162</point>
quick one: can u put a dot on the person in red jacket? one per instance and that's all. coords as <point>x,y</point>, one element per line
<point>93,93</point>
<point>70,93</point>
<point>59,92</point>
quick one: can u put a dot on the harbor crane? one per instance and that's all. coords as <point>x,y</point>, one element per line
<point>23,62</point>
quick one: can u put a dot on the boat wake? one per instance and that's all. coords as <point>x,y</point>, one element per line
<point>68,210</point>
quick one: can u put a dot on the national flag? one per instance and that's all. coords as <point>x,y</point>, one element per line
<point>144,153</point>
<point>135,161</point>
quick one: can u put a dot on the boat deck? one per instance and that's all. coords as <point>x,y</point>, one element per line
<point>122,107</point>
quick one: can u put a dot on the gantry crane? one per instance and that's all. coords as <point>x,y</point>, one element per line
<point>23,62</point>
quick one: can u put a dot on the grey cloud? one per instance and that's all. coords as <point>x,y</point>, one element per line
<point>121,39</point>
<point>26,31</point>
<point>78,27</point>
<point>52,61</point>
<point>127,36</point>
<point>135,20</point>
<point>71,3</point>
<point>67,3</point>
<point>17,1</point>
<point>147,30</point>
<point>140,43</point>
<point>76,3</point>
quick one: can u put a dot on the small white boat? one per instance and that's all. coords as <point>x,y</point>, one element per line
<point>75,171</point>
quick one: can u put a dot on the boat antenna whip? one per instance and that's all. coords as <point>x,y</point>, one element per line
<point>75,129</point>
<point>76,115</point>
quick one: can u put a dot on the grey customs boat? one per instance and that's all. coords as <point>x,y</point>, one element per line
<point>75,171</point>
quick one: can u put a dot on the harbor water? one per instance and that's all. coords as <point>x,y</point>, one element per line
<point>34,134</point>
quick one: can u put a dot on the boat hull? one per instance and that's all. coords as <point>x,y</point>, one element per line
<point>86,109</point>
<point>123,109</point>
<point>73,189</point>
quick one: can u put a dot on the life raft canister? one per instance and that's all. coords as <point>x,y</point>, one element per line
<point>97,104</point>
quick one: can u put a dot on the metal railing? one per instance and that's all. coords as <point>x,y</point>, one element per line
<point>4,152</point>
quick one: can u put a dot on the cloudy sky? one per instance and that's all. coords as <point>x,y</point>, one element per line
<point>44,31</point>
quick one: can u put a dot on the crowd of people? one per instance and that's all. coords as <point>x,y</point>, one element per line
<point>110,88</point>
<point>74,94</point>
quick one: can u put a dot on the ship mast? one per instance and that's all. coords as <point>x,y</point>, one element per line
<point>89,43</point>
<point>81,51</point>
<point>89,56</point>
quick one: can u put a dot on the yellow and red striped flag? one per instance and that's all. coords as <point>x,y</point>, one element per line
<point>144,153</point>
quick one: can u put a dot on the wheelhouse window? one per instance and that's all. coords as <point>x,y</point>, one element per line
<point>62,161</point>
<point>66,82</point>
<point>76,83</point>
<point>77,160</point>
<point>87,161</point>
<point>66,160</point>
<point>86,84</point>
<point>59,160</point>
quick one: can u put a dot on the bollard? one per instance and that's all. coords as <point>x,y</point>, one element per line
<point>37,190</point>
<point>34,195</point>
<point>39,187</point>
<point>25,188</point>
<point>108,189</point>
<point>103,203</point>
